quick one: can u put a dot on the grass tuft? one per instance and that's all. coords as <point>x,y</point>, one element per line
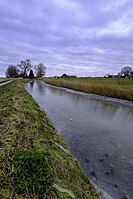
<point>31,173</point>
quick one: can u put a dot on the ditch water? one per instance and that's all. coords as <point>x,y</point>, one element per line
<point>99,133</point>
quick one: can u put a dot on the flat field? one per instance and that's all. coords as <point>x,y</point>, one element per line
<point>121,88</point>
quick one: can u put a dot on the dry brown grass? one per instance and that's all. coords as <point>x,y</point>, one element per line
<point>116,88</point>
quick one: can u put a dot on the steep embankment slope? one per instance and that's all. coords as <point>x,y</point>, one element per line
<point>35,161</point>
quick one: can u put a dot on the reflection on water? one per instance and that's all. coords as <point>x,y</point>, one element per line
<point>99,133</point>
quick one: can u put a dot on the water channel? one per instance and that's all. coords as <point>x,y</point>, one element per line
<point>99,133</point>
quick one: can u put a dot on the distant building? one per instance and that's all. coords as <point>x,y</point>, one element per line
<point>64,76</point>
<point>117,76</point>
<point>108,75</point>
<point>68,76</point>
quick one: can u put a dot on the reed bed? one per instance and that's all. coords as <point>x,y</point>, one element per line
<point>117,88</point>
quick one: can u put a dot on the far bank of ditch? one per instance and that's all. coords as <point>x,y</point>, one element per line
<point>121,88</point>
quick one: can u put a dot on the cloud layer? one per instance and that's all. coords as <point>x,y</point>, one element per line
<point>82,37</point>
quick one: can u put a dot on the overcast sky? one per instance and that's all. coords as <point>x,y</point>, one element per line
<point>77,37</point>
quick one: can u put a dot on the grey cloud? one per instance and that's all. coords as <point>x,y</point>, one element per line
<point>78,37</point>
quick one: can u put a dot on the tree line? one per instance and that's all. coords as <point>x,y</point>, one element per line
<point>25,69</point>
<point>126,72</point>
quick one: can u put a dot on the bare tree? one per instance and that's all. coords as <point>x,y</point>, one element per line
<point>40,70</point>
<point>24,67</point>
<point>12,71</point>
<point>126,71</point>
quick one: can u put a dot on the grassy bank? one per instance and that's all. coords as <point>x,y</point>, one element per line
<point>117,88</point>
<point>34,160</point>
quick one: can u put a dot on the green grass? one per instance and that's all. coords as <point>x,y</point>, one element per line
<point>111,87</point>
<point>34,160</point>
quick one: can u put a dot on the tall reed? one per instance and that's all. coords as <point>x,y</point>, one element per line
<point>117,88</point>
